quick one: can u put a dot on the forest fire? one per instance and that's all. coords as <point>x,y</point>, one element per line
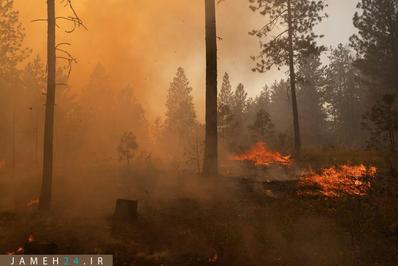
<point>159,133</point>
<point>261,155</point>
<point>334,182</point>
<point>21,250</point>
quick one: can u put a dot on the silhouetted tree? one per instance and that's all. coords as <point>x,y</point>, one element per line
<point>11,54</point>
<point>110,111</point>
<point>263,100</point>
<point>193,153</point>
<point>45,195</point>
<point>127,147</point>
<point>11,40</point>
<point>294,22</point>
<point>344,95</point>
<point>263,128</point>
<point>376,44</point>
<point>225,103</point>
<point>210,163</point>
<point>33,78</point>
<point>180,122</point>
<point>180,112</point>
<point>239,101</point>
<point>97,95</point>
<point>311,82</point>
<point>69,129</point>
<point>52,48</point>
<point>129,109</point>
<point>280,111</point>
<point>382,123</point>
<point>239,113</point>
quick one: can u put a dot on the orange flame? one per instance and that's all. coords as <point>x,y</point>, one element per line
<point>338,181</point>
<point>32,202</point>
<point>261,155</point>
<point>21,250</point>
<point>31,238</point>
<point>213,258</point>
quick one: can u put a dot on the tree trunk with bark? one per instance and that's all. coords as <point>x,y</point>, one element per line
<point>45,196</point>
<point>210,163</point>
<point>296,124</point>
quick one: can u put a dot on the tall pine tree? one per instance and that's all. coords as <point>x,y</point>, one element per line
<point>180,122</point>
<point>287,34</point>
<point>225,103</point>
<point>376,44</point>
<point>46,188</point>
<point>210,164</point>
<point>311,82</point>
<point>239,112</point>
<point>345,96</point>
<point>11,53</point>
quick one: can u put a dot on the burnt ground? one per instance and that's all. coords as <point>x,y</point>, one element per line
<point>195,221</point>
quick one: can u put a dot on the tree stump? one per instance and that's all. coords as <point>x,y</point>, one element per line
<point>125,210</point>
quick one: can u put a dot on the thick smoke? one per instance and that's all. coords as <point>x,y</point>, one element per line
<point>143,42</point>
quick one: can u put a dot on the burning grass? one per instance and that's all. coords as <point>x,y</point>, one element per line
<point>21,250</point>
<point>331,182</point>
<point>232,226</point>
<point>334,182</point>
<point>261,155</point>
<point>32,203</point>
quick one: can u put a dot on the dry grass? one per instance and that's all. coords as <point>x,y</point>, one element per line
<point>187,220</point>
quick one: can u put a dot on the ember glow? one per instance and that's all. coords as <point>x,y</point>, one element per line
<point>32,203</point>
<point>31,238</point>
<point>21,250</point>
<point>214,258</point>
<point>261,155</point>
<point>338,181</point>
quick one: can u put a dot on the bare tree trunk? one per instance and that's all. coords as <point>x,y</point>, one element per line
<point>128,165</point>
<point>197,153</point>
<point>210,163</point>
<point>45,196</point>
<point>13,137</point>
<point>36,134</point>
<point>296,124</point>
<point>391,134</point>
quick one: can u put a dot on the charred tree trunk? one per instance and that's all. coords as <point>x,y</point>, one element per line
<point>210,163</point>
<point>45,196</point>
<point>197,154</point>
<point>13,136</point>
<point>296,124</point>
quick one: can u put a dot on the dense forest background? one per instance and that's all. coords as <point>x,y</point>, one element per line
<point>306,131</point>
<point>347,101</point>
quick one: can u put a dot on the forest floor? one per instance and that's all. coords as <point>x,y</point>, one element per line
<point>188,220</point>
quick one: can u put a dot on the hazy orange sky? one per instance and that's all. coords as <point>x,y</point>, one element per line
<point>143,42</point>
